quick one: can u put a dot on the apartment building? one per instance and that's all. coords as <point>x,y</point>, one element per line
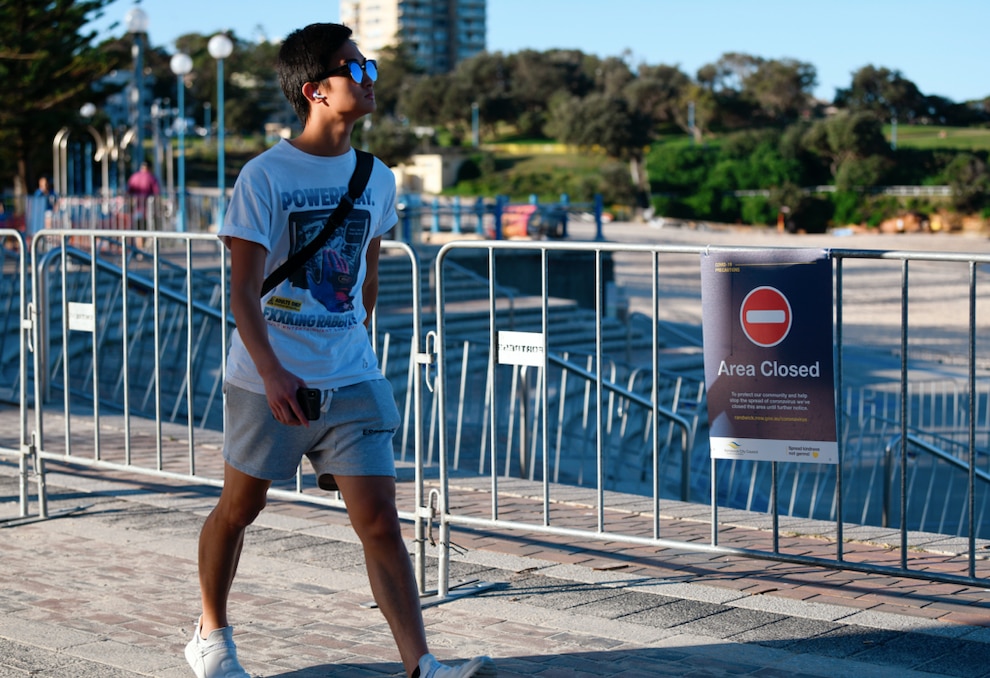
<point>439,33</point>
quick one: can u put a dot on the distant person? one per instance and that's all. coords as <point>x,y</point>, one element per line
<point>142,186</point>
<point>41,208</point>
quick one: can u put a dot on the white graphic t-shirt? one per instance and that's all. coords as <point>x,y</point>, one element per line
<point>281,200</point>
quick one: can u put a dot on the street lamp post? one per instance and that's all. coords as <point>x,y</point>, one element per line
<point>102,154</point>
<point>136,21</point>
<point>475,137</point>
<point>157,114</point>
<point>181,64</point>
<point>207,121</point>
<point>220,47</point>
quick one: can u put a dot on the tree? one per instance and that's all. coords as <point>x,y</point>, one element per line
<point>780,88</point>
<point>730,72</point>
<point>969,180</point>
<point>723,81</point>
<point>660,90</point>
<point>252,94</point>
<point>483,80</point>
<point>535,77</point>
<point>255,93</point>
<point>398,74</point>
<point>610,118</point>
<point>424,101</point>
<point>757,160</point>
<point>609,123</point>
<point>700,100</point>
<point>48,65</point>
<point>882,93</point>
<point>612,76</point>
<point>392,142</point>
<point>850,139</point>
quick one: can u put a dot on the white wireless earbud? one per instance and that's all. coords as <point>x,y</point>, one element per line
<point>318,95</point>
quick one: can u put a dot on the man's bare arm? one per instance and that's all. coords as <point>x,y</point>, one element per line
<point>247,270</point>
<point>369,291</point>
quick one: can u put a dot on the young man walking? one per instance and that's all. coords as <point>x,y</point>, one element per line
<point>309,332</point>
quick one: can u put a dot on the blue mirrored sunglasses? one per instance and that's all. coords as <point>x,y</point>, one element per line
<point>355,69</point>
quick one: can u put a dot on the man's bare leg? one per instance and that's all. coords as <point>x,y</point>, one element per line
<point>371,506</point>
<point>221,540</point>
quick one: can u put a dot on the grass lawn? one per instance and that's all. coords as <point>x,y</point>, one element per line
<point>931,136</point>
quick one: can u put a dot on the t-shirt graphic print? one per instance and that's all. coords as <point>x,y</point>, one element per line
<point>331,274</point>
<point>331,277</point>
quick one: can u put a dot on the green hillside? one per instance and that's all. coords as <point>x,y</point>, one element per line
<point>928,137</point>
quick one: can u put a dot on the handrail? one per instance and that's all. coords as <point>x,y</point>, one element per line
<point>974,473</point>
<point>927,447</point>
<point>687,435</point>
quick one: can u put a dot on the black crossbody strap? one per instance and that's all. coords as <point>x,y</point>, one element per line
<point>356,186</point>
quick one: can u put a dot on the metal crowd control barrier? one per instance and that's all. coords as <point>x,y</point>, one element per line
<point>130,328</point>
<point>500,445</point>
<point>129,351</point>
<point>18,318</point>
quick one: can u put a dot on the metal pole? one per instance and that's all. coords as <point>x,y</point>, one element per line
<point>182,156</point>
<point>475,136</point>
<point>138,156</point>
<point>220,47</point>
<point>181,64</point>
<point>220,143</point>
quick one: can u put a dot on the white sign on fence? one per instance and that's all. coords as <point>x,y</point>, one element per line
<point>82,317</point>
<point>521,348</point>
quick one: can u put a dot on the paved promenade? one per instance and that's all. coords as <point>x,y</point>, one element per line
<point>110,590</point>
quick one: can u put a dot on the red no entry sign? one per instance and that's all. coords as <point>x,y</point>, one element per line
<point>765,316</point>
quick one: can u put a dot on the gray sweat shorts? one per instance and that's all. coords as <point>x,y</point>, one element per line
<point>353,436</point>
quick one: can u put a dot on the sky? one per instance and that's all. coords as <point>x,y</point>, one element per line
<point>941,47</point>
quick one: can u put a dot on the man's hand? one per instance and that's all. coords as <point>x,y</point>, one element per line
<point>247,266</point>
<point>281,388</point>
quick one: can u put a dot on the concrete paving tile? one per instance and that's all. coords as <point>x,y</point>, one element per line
<point>969,619</point>
<point>977,634</point>
<point>908,651</point>
<point>559,594</point>
<point>730,621</point>
<point>845,641</point>
<point>786,632</point>
<point>673,614</point>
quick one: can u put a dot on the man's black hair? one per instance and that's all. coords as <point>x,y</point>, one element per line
<point>304,55</point>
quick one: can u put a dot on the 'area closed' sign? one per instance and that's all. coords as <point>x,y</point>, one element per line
<point>767,325</point>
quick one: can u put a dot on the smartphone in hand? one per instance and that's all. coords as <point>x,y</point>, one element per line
<point>309,401</point>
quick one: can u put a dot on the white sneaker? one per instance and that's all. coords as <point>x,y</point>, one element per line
<point>216,656</point>
<point>479,667</point>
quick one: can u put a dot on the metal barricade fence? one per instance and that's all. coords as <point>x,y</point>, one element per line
<point>14,341</point>
<point>130,329</point>
<point>665,436</point>
<point>130,337</point>
<point>125,212</point>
